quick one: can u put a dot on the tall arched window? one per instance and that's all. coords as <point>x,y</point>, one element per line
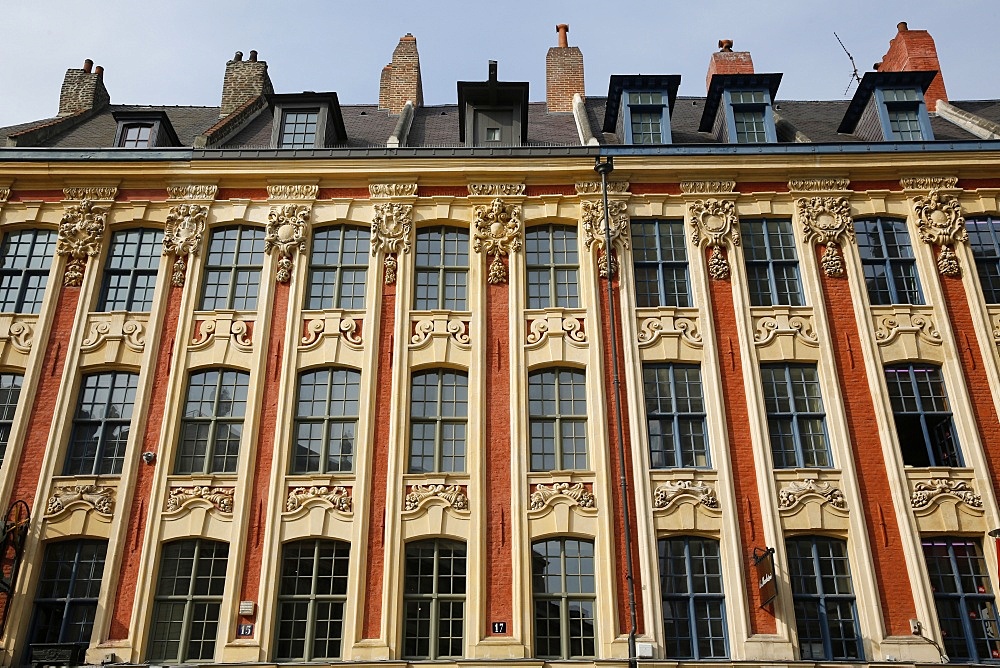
<point>694,604</point>
<point>233,264</point>
<point>338,268</point>
<point>557,419</point>
<point>439,416</point>
<point>213,422</point>
<point>552,262</point>
<point>434,600</point>
<point>442,269</point>
<point>564,591</point>
<point>326,421</point>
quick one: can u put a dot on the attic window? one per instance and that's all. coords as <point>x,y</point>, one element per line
<point>143,129</point>
<point>751,119</point>
<point>903,114</point>
<point>298,128</point>
<point>136,135</point>
<point>306,120</point>
<point>647,118</point>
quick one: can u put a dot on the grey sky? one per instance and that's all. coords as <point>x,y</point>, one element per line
<point>174,52</point>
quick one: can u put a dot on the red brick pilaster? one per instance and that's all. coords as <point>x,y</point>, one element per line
<point>734,401</point>
<point>888,561</point>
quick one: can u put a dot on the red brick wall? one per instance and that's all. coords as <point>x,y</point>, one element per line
<point>888,562</point>
<point>563,77</point>
<point>734,400</point>
<point>914,50</point>
<point>728,62</point>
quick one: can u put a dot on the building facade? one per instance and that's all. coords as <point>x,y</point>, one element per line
<point>286,380</point>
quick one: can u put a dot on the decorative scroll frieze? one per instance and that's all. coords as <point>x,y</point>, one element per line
<point>796,490</point>
<point>707,187</point>
<point>101,499</point>
<point>594,232</point>
<point>767,327</point>
<point>391,234</point>
<point>497,232</point>
<point>596,188</point>
<point>546,495</point>
<point>569,326</point>
<point>286,233</point>
<point>925,493</point>
<point>827,221</point>
<point>22,335</point>
<point>425,329</point>
<point>418,496</point>
<point>182,236</point>
<point>80,233</point>
<point>929,183</point>
<point>668,492</point>
<point>240,332</point>
<point>496,189</point>
<point>114,327</point>
<point>651,329</point>
<point>4,195</point>
<point>940,223</point>
<point>383,190</point>
<point>889,327</point>
<point>714,221</point>
<point>338,497</point>
<point>91,193</point>
<point>195,192</point>
<point>994,321</point>
<point>293,191</point>
<point>818,185</point>
<point>220,497</point>
<point>349,329</point>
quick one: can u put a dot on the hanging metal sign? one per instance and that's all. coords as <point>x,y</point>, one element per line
<point>13,535</point>
<point>763,561</point>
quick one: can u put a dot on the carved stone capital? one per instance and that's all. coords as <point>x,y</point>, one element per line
<point>667,492</point>
<point>707,187</point>
<point>925,493</point>
<point>497,232</point>
<point>940,223</point>
<point>101,499</point>
<point>793,493</point>
<point>545,495</point>
<point>383,190</point>
<point>592,216</point>
<point>80,233</point>
<point>714,221</point>
<point>297,191</point>
<point>337,496</point>
<point>193,192</point>
<point>286,233</point>
<point>818,185</point>
<point>452,495</point>
<point>595,188</point>
<point>827,221</point>
<point>91,193</point>
<point>220,497</point>
<point>391,227</point>
<point>496,189</point>
<point>929,182</point>
<point>182,236</point>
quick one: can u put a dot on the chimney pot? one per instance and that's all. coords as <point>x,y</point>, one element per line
<point>238,57</point>
<point>253,56</point>
<point>493,70</point>
<point>243,81</point>
<point>83,90</point>
<point>99,70</point>
<point>88,65</point>
<point>563,30</point>
<point>725,45</point>
<point>902,27</point>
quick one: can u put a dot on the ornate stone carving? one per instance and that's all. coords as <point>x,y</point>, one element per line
<point>767,327</point>
<point>182,236</point>
<point>80,233</point>
<point>91,193</point>
<point>496,189</point>
<point>594,231</point>
<point>293,191</point>
<point>889,327</point>
<point>286,233</point>
<point>924,493</point>
<point>391,234</point>
<point>538,330</point>
<point>827,221</point>
<point>4,194</point>
<point>101,499</point>
<point>818,185</point>
<point>114,327</point>
<point>707,187</point>
<point>240,332</point>
<point>196,192</point>
<point>220,497</point>
<point>666,492</point>
<point>22,335</point>
<point>382,190</point>
<point>544,495</point>
<point>348,328</point>
<point>497,232</point>
<point>453,495</point>
<point>940,223</point>
<point>793,493</point>
<point>929,183</point>
<point>337,496</point>
<point>425,328</point>
<point>595,188</point>
<point>650,329</point>
<point>715,221</point>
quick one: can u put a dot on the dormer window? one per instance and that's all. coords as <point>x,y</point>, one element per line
<point>889,106</point>
<point>738,108</point>
<point>750,116</point>
<point>639,107</point>
<point>298,128</point>
<point>144,129</point>
<point>492,112</point>
<point>307,120</point>
<point>902,107</point>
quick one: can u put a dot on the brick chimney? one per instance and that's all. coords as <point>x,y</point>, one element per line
<point>727,61</point>
<point>244,81</point>
<point>83,90</point>
<point>914,51</point>
<point>400,80</point>
<point>563,73</point>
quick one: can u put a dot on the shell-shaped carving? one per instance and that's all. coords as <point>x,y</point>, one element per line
<point>419,495</point>
<point>545,495</point>
<point>668,492</point>
<point>797,489</point>
<point>337,496</point>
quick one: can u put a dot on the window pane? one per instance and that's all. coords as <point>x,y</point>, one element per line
<point>233,264</point>
<point>130,270</point>
<point>434,600</point>
<point>338,268</point>
<point>25,258</point>
<point>552,267</point>
<point>887,259</point>
<point>213,422</point>
<point>312,595</point>
<point>660,263</point>
<point>564,586</point>
<point>795,416</point>
<point>922,416</point>
<point>675,416</point>
<point>557,419</point>
<point>439,409</point>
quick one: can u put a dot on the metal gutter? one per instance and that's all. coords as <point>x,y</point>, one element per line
<point>849,148</point>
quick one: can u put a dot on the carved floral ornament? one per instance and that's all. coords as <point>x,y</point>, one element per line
<point>286,232</point>
<point>827,221</point>
<point>666,492</point>
<point>715,221</point>
<point>596,188</point>
<point>940,223</point>
<point>182,236</point>
<point>496,189</point>
<point>594,232</point>
<point>796,490</point>
<point>925,493</point>
<point>293,191</point>
<point>546,495</point>
<point>220,497</point>
<point>391,234</point>
<point>101,499</point>
<point>195,192</point>
<point>929,182</point>
<point>4,194</point>
<point>497,232</point>
<point>337,496</point>
<point>383,190</point>
<point>819,185</point>
<point>453,495</point>
<point>80,233</point>
<point>707,187</point>
<point>91,193</point>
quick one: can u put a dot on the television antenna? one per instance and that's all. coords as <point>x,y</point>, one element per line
<point>854,75</point>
